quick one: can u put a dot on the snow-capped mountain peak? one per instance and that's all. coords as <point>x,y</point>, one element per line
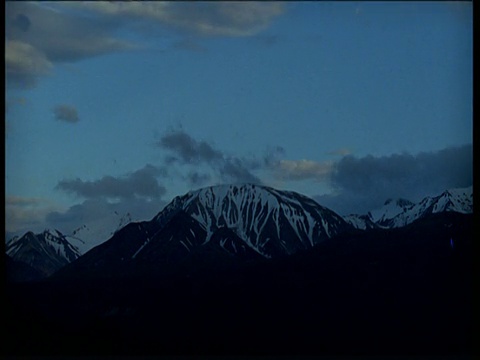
<point>253,211</point>
<point>218,224</point>
<point>47,251</point>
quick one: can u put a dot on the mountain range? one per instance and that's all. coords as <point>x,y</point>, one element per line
<point>249,270</point>
<point>223,222</point>
<point>401,212</point>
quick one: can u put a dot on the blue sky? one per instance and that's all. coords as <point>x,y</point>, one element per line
<point>106,99</point>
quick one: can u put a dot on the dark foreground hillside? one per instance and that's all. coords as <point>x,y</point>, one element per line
<point>406,291</point>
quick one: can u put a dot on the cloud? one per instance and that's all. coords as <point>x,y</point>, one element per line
<point>196,178</point>
<point>362,184</point>
<point>273,155</point>
<point>185,150</point>
<point>302,170</point>
<point>340,152</point>
<point>236,170</point>
<point>38,36</point>
<point>26,213</point>
<point>188,149</point>
<point>105,202</point>
<point>101,217</point>
<point>24,63</point>
<point>197,153</point>
<point>66,113</point>
<point>139,184</point>
<point>22,201</point>
<point>232,18</point>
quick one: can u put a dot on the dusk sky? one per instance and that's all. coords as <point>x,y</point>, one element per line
<point>117,107</point>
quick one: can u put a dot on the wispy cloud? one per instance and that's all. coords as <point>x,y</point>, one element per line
<point>229,18</point>
<point>26,213</point>
<point>302,170</point>
<point>340,152</point>
<point>23,201</point>
<point>66,113</point>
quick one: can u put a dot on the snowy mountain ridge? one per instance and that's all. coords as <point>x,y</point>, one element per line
<point>394,214</point>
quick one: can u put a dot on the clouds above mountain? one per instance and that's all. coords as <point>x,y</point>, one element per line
<point>362,184</point>
<point>188,150</point>
<point>359,184</point>
<point>101,217</point>
<point>200,155</point>
<point>107,200</point>
<point>142,183</point>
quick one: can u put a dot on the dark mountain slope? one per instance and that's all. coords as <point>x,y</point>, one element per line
<point>382,292</point>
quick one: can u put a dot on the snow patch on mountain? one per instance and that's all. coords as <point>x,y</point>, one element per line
<point>363,222</point>
<point>389,210</point>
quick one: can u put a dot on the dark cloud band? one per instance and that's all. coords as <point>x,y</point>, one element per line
<point>362,184</point>
<point>141,184</point>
